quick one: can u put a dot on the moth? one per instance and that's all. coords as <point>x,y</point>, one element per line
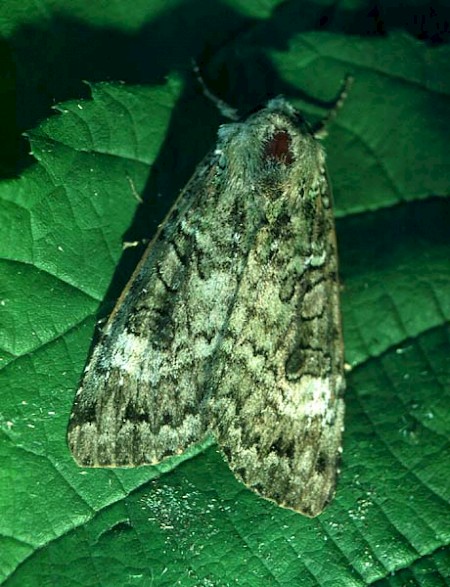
<point>230,324</point>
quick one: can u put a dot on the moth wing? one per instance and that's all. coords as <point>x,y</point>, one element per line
<point>277,404</point>
<point>140,397</point>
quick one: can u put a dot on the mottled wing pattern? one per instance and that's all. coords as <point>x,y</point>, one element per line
<point>142,392</point>
<point>276,401</point>
<point>231,324</point>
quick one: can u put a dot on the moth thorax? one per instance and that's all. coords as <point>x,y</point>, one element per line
<point>279,147</point>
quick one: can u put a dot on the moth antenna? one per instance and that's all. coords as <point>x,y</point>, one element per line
<point>225,109</point>
<point>321,130</point>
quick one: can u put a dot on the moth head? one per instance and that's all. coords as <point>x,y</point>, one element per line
<point>274,155</point>
<point>292,160</point>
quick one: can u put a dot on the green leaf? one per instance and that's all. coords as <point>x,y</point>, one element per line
<point>63,220</point>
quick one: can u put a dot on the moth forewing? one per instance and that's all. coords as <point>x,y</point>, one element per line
<point>230,325</point>
<point>122,414</point>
